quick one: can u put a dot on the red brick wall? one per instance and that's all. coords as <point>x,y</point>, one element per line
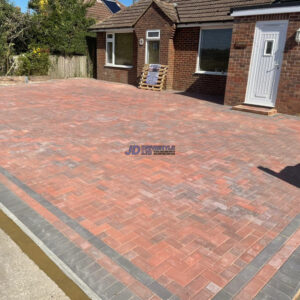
<point>112,73</point>
<point>171,64</point>
<point>154,18</point>
<point>288,98</point>
<point>186,42</point>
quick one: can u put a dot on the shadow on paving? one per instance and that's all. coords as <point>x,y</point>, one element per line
<point>290,174</point>
<point>218,99</point>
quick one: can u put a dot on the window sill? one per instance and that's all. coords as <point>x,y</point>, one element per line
<point>210,73</point>
<point>118,66</point>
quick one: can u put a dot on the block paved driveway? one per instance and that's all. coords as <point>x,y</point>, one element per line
<point>220,218</point>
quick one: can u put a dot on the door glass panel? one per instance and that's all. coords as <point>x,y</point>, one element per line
<point>269,47</point>
<point>153,52</point>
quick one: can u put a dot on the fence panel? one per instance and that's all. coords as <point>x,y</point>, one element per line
<point>66,67</point>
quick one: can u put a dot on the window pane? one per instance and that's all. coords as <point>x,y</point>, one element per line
<point>153,52</point>
<point>124,49</point>
<point>215,49</point>
<point>152,34</point>
<point>109,51</point>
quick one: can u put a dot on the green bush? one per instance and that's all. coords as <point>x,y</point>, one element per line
<point>35,62</point>
<point>62,25</point>
<point>15,34</point>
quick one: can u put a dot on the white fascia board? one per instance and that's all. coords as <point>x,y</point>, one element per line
<point>265,11</point>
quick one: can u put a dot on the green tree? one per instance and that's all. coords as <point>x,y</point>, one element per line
<point>14,34</point>
<point>61,25</point>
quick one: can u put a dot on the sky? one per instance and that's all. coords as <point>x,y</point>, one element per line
<point>23,3</point>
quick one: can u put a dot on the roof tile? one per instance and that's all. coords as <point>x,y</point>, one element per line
<point>187,11</point>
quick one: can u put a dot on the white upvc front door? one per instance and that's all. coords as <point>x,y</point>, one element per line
<point>266,60</point>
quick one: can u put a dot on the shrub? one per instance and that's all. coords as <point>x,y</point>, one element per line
<point>35,62</point>
<point>62,25</point>
<point>14,34</point>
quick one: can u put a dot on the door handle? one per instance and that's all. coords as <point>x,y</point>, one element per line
<point>277,66</point>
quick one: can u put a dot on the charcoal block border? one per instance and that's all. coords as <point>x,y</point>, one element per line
<point>25,214</point>
<point>285,284</point>
<point>66,255</point>
<point>244,276</point>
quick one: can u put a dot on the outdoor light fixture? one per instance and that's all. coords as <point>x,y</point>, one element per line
<point>298,36</point>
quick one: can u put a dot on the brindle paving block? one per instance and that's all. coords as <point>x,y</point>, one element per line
<point>211,209</point>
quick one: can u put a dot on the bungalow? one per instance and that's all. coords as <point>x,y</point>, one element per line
<point>246,50</point>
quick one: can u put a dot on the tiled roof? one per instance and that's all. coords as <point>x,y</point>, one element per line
<point>211,10</point>
<point>112,5</point>
<point>126,17</point>
<point>99,11</point>
<point>169,9</point>
<point>187,11</point>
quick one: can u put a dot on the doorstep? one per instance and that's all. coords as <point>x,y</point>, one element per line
<point>256,109</point>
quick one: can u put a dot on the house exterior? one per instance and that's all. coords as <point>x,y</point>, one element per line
<point>100,11</point>
<point>244,50</point>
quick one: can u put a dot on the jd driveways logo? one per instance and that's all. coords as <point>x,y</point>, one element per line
<point>151,150</point>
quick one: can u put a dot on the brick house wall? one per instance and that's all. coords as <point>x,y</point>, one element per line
<point>114,74</point>
<point>288,98</point>
<point>171,64</point>
<point>186,42</point>
<point>153,19</point>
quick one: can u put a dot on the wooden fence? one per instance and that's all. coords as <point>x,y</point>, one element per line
<point>66,67</point>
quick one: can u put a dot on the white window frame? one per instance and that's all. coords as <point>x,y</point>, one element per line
<point>112,64</point>
<point>156,38</point>
<point>198,71</point>
<point>153,38</point>
<point>110,40</point>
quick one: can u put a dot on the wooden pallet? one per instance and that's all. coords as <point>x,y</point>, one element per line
<point>161,82</point>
